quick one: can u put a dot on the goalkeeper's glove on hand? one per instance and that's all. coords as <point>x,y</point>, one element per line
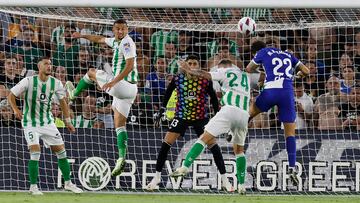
<point>159,117</point>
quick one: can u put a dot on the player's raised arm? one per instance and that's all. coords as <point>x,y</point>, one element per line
<point>128,68</point>
<point>303,71</point>
<point>92,38</point>
<point>195,72</point>
<point>251,67</point>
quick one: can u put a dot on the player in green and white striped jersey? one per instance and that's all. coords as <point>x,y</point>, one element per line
<point>160,38</point>
<point>122,85</point>
<point>233,116</point>
<point>38,122</point>
<point>87,118</point>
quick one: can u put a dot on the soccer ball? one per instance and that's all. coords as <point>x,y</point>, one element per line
<point>247,25</point>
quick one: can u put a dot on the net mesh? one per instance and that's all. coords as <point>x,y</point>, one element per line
<point>326,40</point>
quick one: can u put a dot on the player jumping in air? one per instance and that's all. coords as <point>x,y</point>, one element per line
<point>122,84</point>
<point>38,122</point>
<point>278,90</point>
<point>233,116</point>
<point>192,93</point>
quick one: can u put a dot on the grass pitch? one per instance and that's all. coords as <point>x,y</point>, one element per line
<point>21,197</point>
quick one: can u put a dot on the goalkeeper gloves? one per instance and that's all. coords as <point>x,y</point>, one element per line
<point>159,117</point>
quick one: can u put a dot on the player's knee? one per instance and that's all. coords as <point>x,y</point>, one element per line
<point>61,154</point>
<point>211,143</point>
<point>120,120</point>
<point>289,129</point>
<point>170,138</point>
<point>34,148</point>
<point>199,141</point>
<point>120,124</point>
<point>238,149</point>
<point>35,156</point>
<point>207,138</point>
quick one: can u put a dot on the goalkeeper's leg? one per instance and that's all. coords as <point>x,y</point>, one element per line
<point>169,139</point>
<point>87,81</point>
<point>64,166</point>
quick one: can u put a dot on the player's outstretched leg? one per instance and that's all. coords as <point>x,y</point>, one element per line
<point>194,152</point>
<point>85,82</point>
<point>291,151</point>
<point>33,169</point>
<point>65,168</point>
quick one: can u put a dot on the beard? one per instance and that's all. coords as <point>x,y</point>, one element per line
<point>69,39</point>
<point>334,92</point>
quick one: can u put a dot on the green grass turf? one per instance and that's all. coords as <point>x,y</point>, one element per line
<point>20,197</point>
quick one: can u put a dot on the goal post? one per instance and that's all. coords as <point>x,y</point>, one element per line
<point>188,4</point>
<point>325,39</point>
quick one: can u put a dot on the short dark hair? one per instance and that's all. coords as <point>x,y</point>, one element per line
<point>192,57</point>
<point>10,56</point>
<point>225,62</point>
<point>28,29</point>
<point>120,21</point>
<point>159,57</point>
<point>70,25</point>
<point>223,39</point>
<point>256,46</point>
<point>82,48</point>
<point>44,58</point>
<point>350,67</point>
<point>222,47</point>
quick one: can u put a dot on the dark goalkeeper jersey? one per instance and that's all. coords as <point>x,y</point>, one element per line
<point>192,96</point>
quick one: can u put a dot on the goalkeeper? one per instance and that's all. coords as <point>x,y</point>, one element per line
<point>192,94</point>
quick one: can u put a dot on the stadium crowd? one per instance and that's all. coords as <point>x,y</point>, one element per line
<point>329,99</point>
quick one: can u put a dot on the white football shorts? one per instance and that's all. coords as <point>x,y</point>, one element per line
<point>49,134</point>
<point>124,93</point>
<point>230,119</point>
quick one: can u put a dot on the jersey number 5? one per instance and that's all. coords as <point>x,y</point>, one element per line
<point>279,64</point>
<point>234,82</point>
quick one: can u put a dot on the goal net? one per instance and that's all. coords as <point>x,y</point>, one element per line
<point>328,111</point>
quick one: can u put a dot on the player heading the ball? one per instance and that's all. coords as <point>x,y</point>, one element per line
<point>278,90</point>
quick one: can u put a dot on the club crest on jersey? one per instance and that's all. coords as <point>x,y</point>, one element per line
<point>190,95</point>
<point>127,47</point>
